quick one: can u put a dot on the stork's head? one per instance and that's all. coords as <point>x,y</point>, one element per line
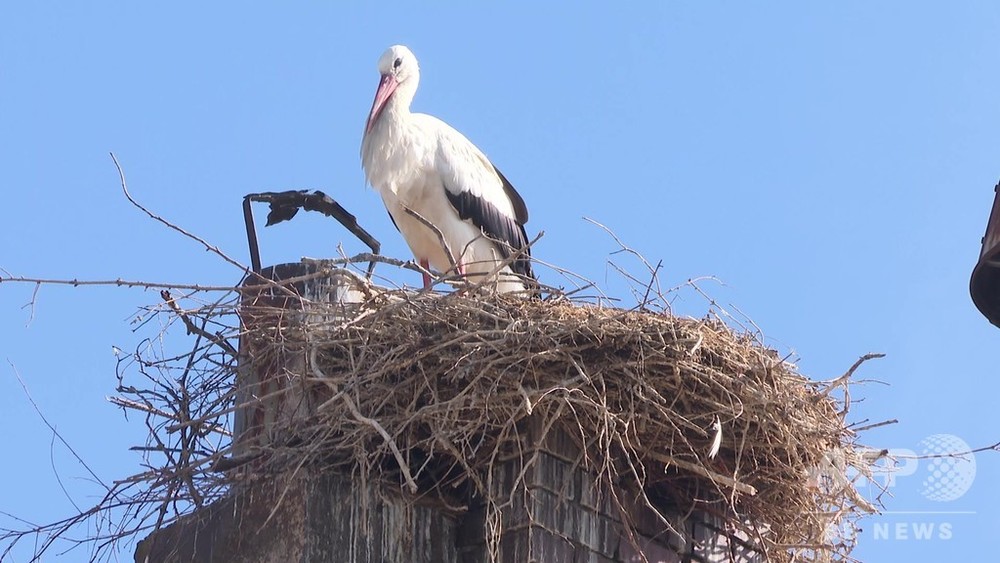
<point>400,75</point>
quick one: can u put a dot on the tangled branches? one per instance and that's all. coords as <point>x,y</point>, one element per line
<point>452,381</point>
<point>428,393</point>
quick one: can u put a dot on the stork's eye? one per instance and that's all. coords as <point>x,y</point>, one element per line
<point>396,63</point>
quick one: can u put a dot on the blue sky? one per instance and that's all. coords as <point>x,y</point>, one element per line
<point>832,164</point>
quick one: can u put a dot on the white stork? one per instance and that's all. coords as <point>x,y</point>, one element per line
<point>437,185</point>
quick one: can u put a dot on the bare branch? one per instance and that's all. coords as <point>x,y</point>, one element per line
<point>31,304</point>
<point>704,472</point>
<point>38,411</point>
<point>117,282</point>
<point>211,248</point>
<point>866,427</point>
<point>959,454</point>
<point>403,466</point>
<point>193,329</point>
<point>440,236</point>
<point>834,383</point>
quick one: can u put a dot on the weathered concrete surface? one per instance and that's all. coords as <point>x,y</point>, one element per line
<point>565,514</point>
<point>311,519</point>
<point>561,514</point>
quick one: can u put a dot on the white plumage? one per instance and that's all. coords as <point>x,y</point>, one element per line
<point>716,429</point>
<point>418,162</point>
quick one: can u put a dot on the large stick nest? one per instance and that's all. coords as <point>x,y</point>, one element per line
<point>431,392</point>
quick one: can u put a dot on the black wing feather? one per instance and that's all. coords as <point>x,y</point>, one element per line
<point>507,232</point>
<point>393,219</point>
<point>520,209</point>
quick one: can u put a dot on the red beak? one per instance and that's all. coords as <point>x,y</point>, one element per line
<point>386,87</point>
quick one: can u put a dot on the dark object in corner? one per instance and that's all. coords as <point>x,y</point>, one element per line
<point>985,283</point>
<point>284,206</point>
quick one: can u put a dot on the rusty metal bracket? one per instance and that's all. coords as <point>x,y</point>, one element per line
<point>284,206</point>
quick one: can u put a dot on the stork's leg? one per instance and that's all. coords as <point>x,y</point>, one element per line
<point>427,278</point>
<point>461,268</point>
